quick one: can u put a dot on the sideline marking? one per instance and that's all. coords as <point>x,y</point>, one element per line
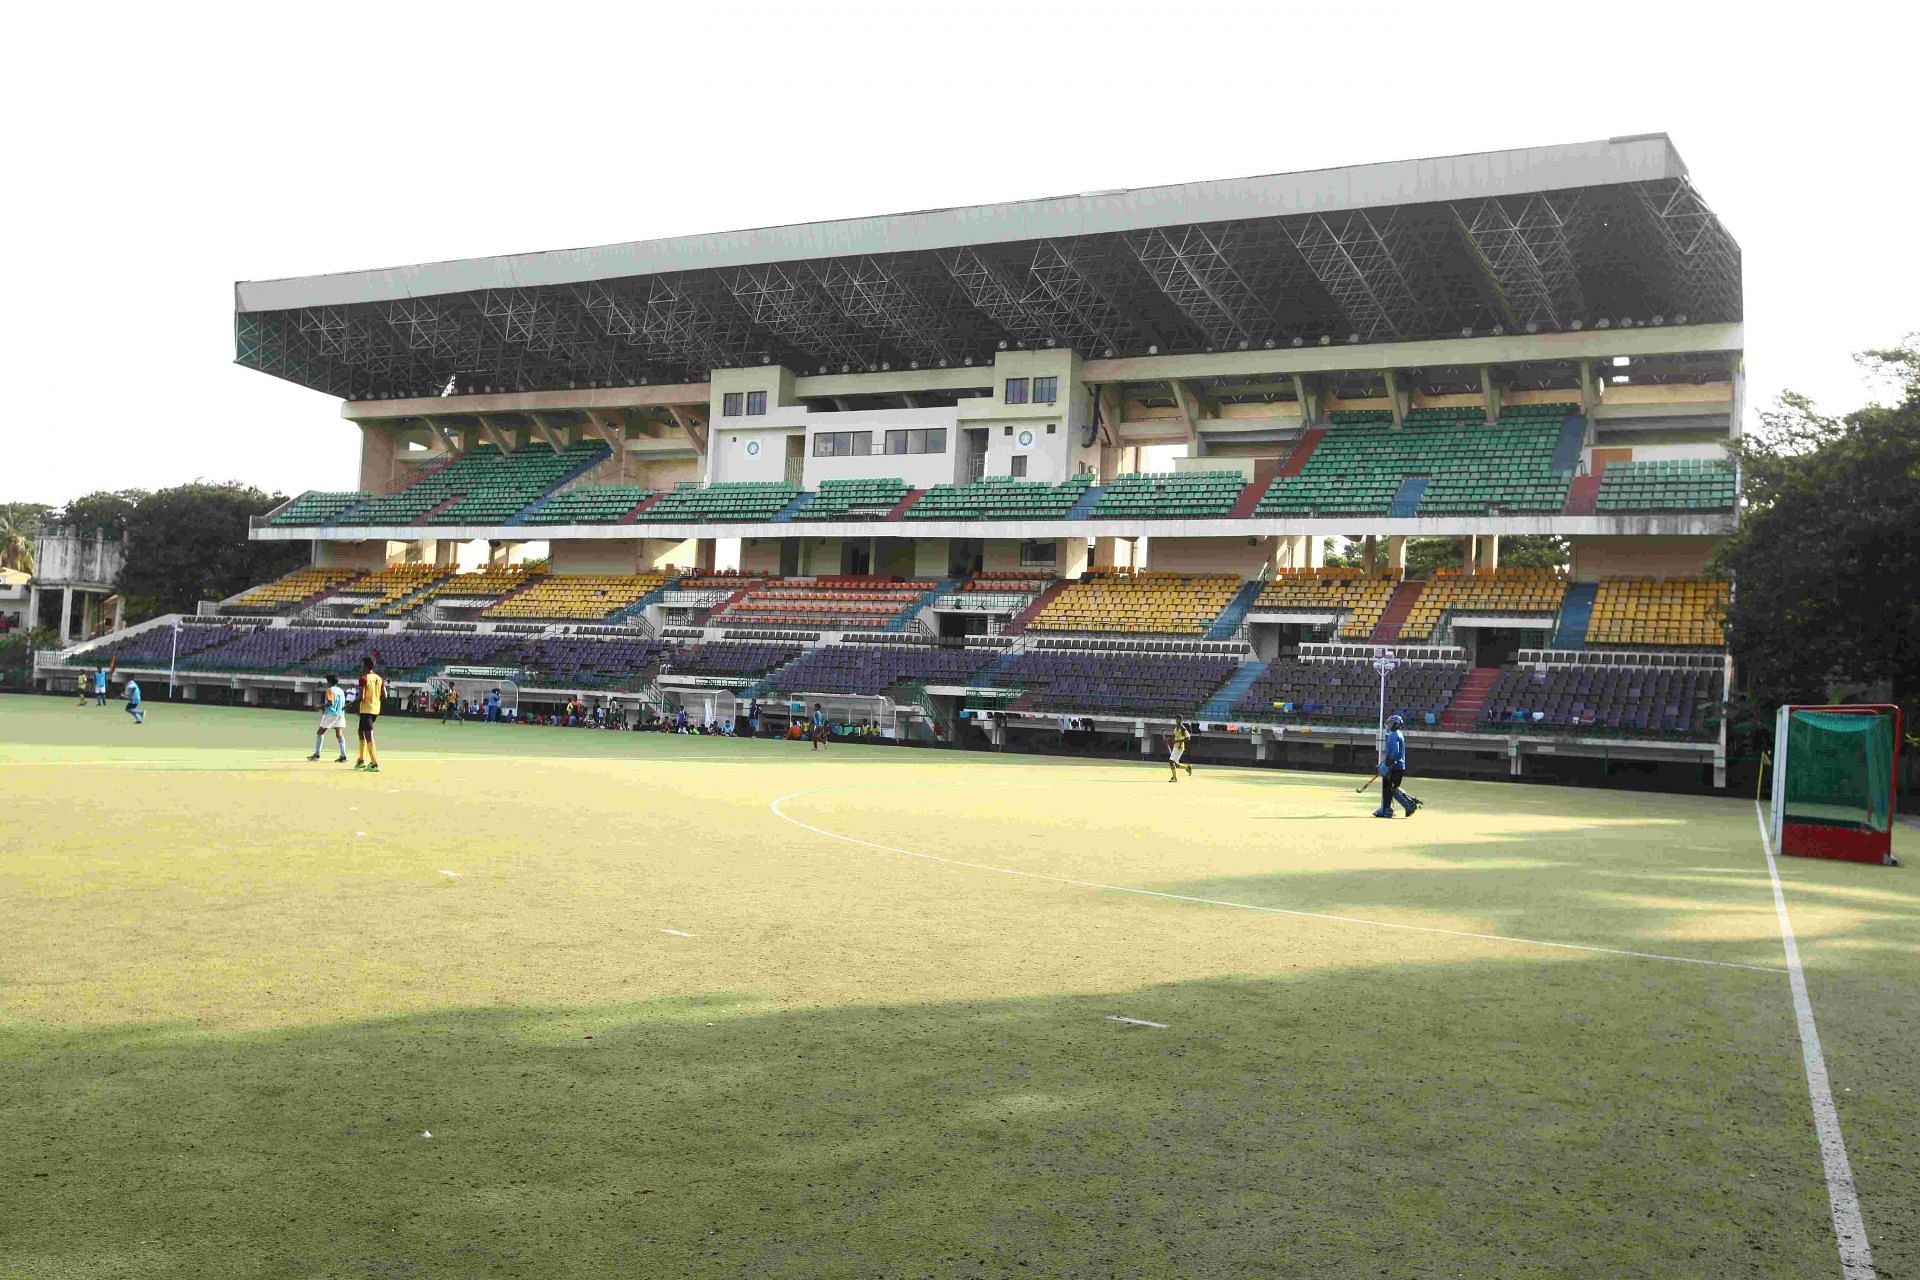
<point>454,874</point>
<point>1849,1228</point>
<point>1240,906</point>
<point>677,933</point>
<point>1135,1022</point>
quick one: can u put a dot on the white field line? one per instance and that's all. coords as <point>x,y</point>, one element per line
<point>1135,1022</point>
<point>677,933</point>
<point>1239,906</point>
<point>1849,1228</point>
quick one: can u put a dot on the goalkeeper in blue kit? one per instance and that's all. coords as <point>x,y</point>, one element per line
<point>1393,767</point>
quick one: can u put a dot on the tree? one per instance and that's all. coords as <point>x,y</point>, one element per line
<point>20,524</point>
<point>189,543</point>
<point>1825,561</point>
<point>16,654</point>
<point>1534,551</point>
<point>103,512</point>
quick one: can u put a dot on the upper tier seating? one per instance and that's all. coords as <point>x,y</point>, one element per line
<point>1691,484</point>
<point>1358,468</point>
<point>1349,692</point>
<point>317,507</point>
<point>876,668</point>
<point>581,596</point>
<point>829,603</point>
<point>482,486</point>
<point>292,589</point>
<point>582,663</point>
<point>1348,417</point>
<point>853,500</point>
<point>731,658</point>
<point>1159,603</point>
<point>1627,701</point>
<point>391,584</point>
<point>691,503</point>
<point>1504,591</point>
<point>274,650</point>
<point>1169,495</point>
<point>489,583</point>
<point>1000,498</point>
<point>591,504</point>
<point>1362,596</point>
<point>1667,612</point>
<point>1125,684</point>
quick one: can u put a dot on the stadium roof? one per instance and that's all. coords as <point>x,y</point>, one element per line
<point>1543,239</point>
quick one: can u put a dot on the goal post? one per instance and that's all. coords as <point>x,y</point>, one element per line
<point>1835,772</point>
<point>472,684</point>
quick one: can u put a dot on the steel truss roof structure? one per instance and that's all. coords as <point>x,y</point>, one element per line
<point>1541,241</point>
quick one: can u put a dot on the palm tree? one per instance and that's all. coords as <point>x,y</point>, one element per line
<point>17,529</point>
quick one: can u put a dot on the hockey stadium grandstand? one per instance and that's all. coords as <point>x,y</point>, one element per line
<point>991,471</point>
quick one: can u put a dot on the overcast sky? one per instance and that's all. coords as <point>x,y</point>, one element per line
<point>158,155</point>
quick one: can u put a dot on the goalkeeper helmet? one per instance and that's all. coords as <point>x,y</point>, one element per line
<point>1394,722</point>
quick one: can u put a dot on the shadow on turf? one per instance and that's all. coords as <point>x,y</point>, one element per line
<point>1567,1116</point>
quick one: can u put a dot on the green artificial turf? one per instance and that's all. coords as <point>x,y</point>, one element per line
<point>658,1027</point>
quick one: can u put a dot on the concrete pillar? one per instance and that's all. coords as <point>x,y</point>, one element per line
<point>119,613</point>
<point>250,696</point>
<point>1371,551</point>
<point>703,555</point>
<point>1489,394</point>
<point>1393,398</point>
<point>189,693</point>
<point>1589,398</point>
<point>1309,408</point>
<point>1316,550</point>
<point>1470,553</point>
<point>66,615</point>
<point>1489,553</point>
<point>1397,554</point>
<point>33,606</point>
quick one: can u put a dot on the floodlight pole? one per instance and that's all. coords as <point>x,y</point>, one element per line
<point>1383,662</point>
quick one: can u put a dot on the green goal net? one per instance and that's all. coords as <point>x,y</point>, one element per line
<point>1839,769</point>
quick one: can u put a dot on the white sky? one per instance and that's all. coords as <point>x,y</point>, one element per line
<point>156,156</point>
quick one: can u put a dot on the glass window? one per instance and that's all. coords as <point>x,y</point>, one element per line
<point>1019,467</point>
<point>730,404</point>
<point>1016,391</point>
<point>1039,553</point>
<point>757,401</point>
<point>1045,390</point>
<point>896,442</point>
<point>936,439</point>
<point>823,445</point>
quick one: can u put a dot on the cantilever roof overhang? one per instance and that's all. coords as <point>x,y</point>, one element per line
<point>1543,239</point>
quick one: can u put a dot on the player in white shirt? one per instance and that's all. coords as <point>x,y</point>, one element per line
<point>333,715</point>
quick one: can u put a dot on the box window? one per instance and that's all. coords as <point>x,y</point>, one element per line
<point>730,404</point>
<point>1046,390</point>
<point>756,402</point>
<point>1016,391</point>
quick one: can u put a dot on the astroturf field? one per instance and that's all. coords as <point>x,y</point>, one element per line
<point>698,1007</point>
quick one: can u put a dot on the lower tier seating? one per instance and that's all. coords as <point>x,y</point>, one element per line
<point>825,604</point>
<point>569,662</point>
<point>1614,701</point>
<point>270,650</point>
<point>489,583</point>
<point>731,658</point>
<point>1154,603</point>
<point>414,655</point>
<point>876,668</point>
<point>1503,591</point>
<point>1126,684</point>
<point>1291,691</point>
<point>376,591</point>
<point>1662,612</point>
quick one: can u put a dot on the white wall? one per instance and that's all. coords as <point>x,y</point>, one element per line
<point>595,556</point>
<point>919,470</point>
<point>1641,557</point>
<point>751,453</point>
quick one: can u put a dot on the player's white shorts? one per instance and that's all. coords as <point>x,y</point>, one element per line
<point>332,720</point>
<point>1175,753</point>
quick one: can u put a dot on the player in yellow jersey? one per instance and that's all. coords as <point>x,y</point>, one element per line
<point>1177,751</point>
<point>373,689</point>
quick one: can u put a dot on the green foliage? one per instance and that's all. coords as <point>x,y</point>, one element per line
<point>16,654</point>
<point>1825,560</point>
<point>1534,551</point>
<point>20,523</point>
<point>1425,555</point>
<point>189,543</point>
<point>104,512</point>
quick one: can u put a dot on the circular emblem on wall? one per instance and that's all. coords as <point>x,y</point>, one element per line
<point>753,448</point>
<point>1026,439</point>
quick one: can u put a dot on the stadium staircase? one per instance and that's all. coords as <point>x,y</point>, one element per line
<point>1576,611</point>
<point>909,615</point>
<point>1079,510</point>
<point>1573,439</point>
<point>1406,501</point>
<point>634,514</point>
<point>532,509</point>
<point>990,676</point>
<point>800,502</point>
<point>547,495</point>
<point>1220,706</point>
<point>1018,624</point>
<point>1296,460</point>
<point>1581,496</point>
<point>1463,713</point>
<point>1249,500</point>
<point>638,609</point>
<point>1228,623</point>
<point>399,607</point>
<point>1399,605</point>
<point>906,504</point>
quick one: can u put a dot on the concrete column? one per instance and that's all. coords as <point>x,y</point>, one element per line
<point>189,693</point>
<point>703,555</point>
<point>1393,398</point>
<point>1309,407</point>
<point>1372,553</point>
<point>1589,398</point>
<point>1316,550</point>
<point>1397,554</point>
<point>1489,394</point>
<point>119,613</point>
<point>1489,552</point>
<point>66,615</point>
<point>250,696</point>
<point>33,606</point>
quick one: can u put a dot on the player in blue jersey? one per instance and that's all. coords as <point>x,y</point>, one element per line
<point>134,708</point>
<point>333,715</point>
<point>1393,767</point>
